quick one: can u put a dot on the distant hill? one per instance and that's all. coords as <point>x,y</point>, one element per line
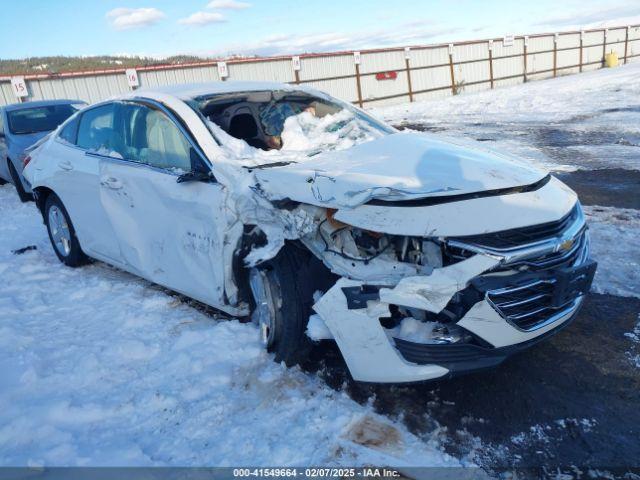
<point>61,64</point>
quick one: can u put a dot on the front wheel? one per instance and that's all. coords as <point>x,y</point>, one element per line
<point>283,290</point>
<point>62,234</point>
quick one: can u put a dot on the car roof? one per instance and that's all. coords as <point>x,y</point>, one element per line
<point>193,90</point>
<point>39,103</point>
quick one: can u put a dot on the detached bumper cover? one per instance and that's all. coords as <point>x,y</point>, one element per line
<point>352,312</point>
<point>466,358</point>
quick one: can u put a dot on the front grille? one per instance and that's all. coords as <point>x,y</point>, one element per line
<point>514,238</point>
<point>530,305</point>
<point>562,258</point>
<point>526,288</point>
<point>527,306</point>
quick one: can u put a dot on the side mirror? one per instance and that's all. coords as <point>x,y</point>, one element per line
<point>198,173</point>
<point>195,177</point>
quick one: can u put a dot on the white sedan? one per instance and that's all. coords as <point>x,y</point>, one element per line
<point>420,257</point>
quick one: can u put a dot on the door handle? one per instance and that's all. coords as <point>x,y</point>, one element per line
<point>65,165</point>
<point>112,183</point>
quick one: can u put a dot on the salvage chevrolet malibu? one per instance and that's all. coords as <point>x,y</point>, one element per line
<point>420,257</point>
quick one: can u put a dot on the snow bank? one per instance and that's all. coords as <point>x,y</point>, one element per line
<point>98,367</point>
<point>541,121</point>
<point>615,246</point>
<point>554,99</point>
<point>634,353</point>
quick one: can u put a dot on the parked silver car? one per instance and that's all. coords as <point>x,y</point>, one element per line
<point>21,126</point>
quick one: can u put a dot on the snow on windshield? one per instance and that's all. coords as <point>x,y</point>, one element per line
<point>288,130</point>
<point>310,134</point>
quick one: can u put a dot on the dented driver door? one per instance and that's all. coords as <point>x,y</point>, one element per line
<point>169,232</point>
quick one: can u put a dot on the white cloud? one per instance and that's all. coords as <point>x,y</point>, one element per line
<point>202,18</point>
<point>289,44</point>
<point>621,13</point>
<point>126,18</point>
<point>228,4</point>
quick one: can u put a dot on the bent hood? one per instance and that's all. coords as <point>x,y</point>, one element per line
<point>401,166</point>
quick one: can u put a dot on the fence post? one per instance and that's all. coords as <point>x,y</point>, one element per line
<point>356,60</point>
<point>491,62</point>
<point>581,45</point>
<point>604,46</point>
<point>555,54</point>
<point>626,45</point>
<point>524,57</point>
<point>453,78</point>
<point>407,55</point>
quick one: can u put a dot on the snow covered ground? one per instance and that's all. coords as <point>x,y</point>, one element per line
<point>588,120</point>
<point>98,367</point>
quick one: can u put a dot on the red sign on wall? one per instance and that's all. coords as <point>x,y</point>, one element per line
<point>386,75</point>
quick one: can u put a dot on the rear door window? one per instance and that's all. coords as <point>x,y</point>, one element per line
<point>97,131</point>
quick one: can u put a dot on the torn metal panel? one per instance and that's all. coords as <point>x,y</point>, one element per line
<point>363,342</point>
<point>433,292</point>
<point>399,166</point>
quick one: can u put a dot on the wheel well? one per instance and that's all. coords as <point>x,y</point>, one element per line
<point>313,274</point>
<point>40,195</point>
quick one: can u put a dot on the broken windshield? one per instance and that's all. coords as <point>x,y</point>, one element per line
<point>289,121</point>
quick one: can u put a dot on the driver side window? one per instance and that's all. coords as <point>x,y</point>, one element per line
<point>153,139</point>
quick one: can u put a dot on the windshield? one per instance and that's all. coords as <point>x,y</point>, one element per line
<point>290,121</point>
<point>39,119</point>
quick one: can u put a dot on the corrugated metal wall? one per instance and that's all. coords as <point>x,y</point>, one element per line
<point>382,77</point>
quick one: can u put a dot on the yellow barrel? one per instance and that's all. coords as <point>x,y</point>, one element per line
<point>611,59</point>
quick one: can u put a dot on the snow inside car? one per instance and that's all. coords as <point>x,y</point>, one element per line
<point>421,257</point>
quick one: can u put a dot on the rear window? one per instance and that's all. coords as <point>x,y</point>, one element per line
<point>38,119</point>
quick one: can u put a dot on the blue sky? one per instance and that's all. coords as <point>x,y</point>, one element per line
<point>265,27</point>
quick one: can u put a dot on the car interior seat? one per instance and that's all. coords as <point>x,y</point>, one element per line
<point>244,127</point>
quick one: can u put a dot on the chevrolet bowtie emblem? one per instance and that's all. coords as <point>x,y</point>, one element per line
<point>566,245</point>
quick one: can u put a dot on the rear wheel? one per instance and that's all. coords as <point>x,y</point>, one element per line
<point>62,234</point>
<point>283,291</point>
<point>22,194</point>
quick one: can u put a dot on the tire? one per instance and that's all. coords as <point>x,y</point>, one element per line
<point>62,234</point>
<point>288,283</point>
<point>22,194</point>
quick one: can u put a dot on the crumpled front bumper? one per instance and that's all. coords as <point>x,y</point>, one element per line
<point>373,355</point>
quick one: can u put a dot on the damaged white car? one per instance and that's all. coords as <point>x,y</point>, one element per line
<point>421,258</point>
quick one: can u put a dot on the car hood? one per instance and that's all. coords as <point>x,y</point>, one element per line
<point>401,166</point>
